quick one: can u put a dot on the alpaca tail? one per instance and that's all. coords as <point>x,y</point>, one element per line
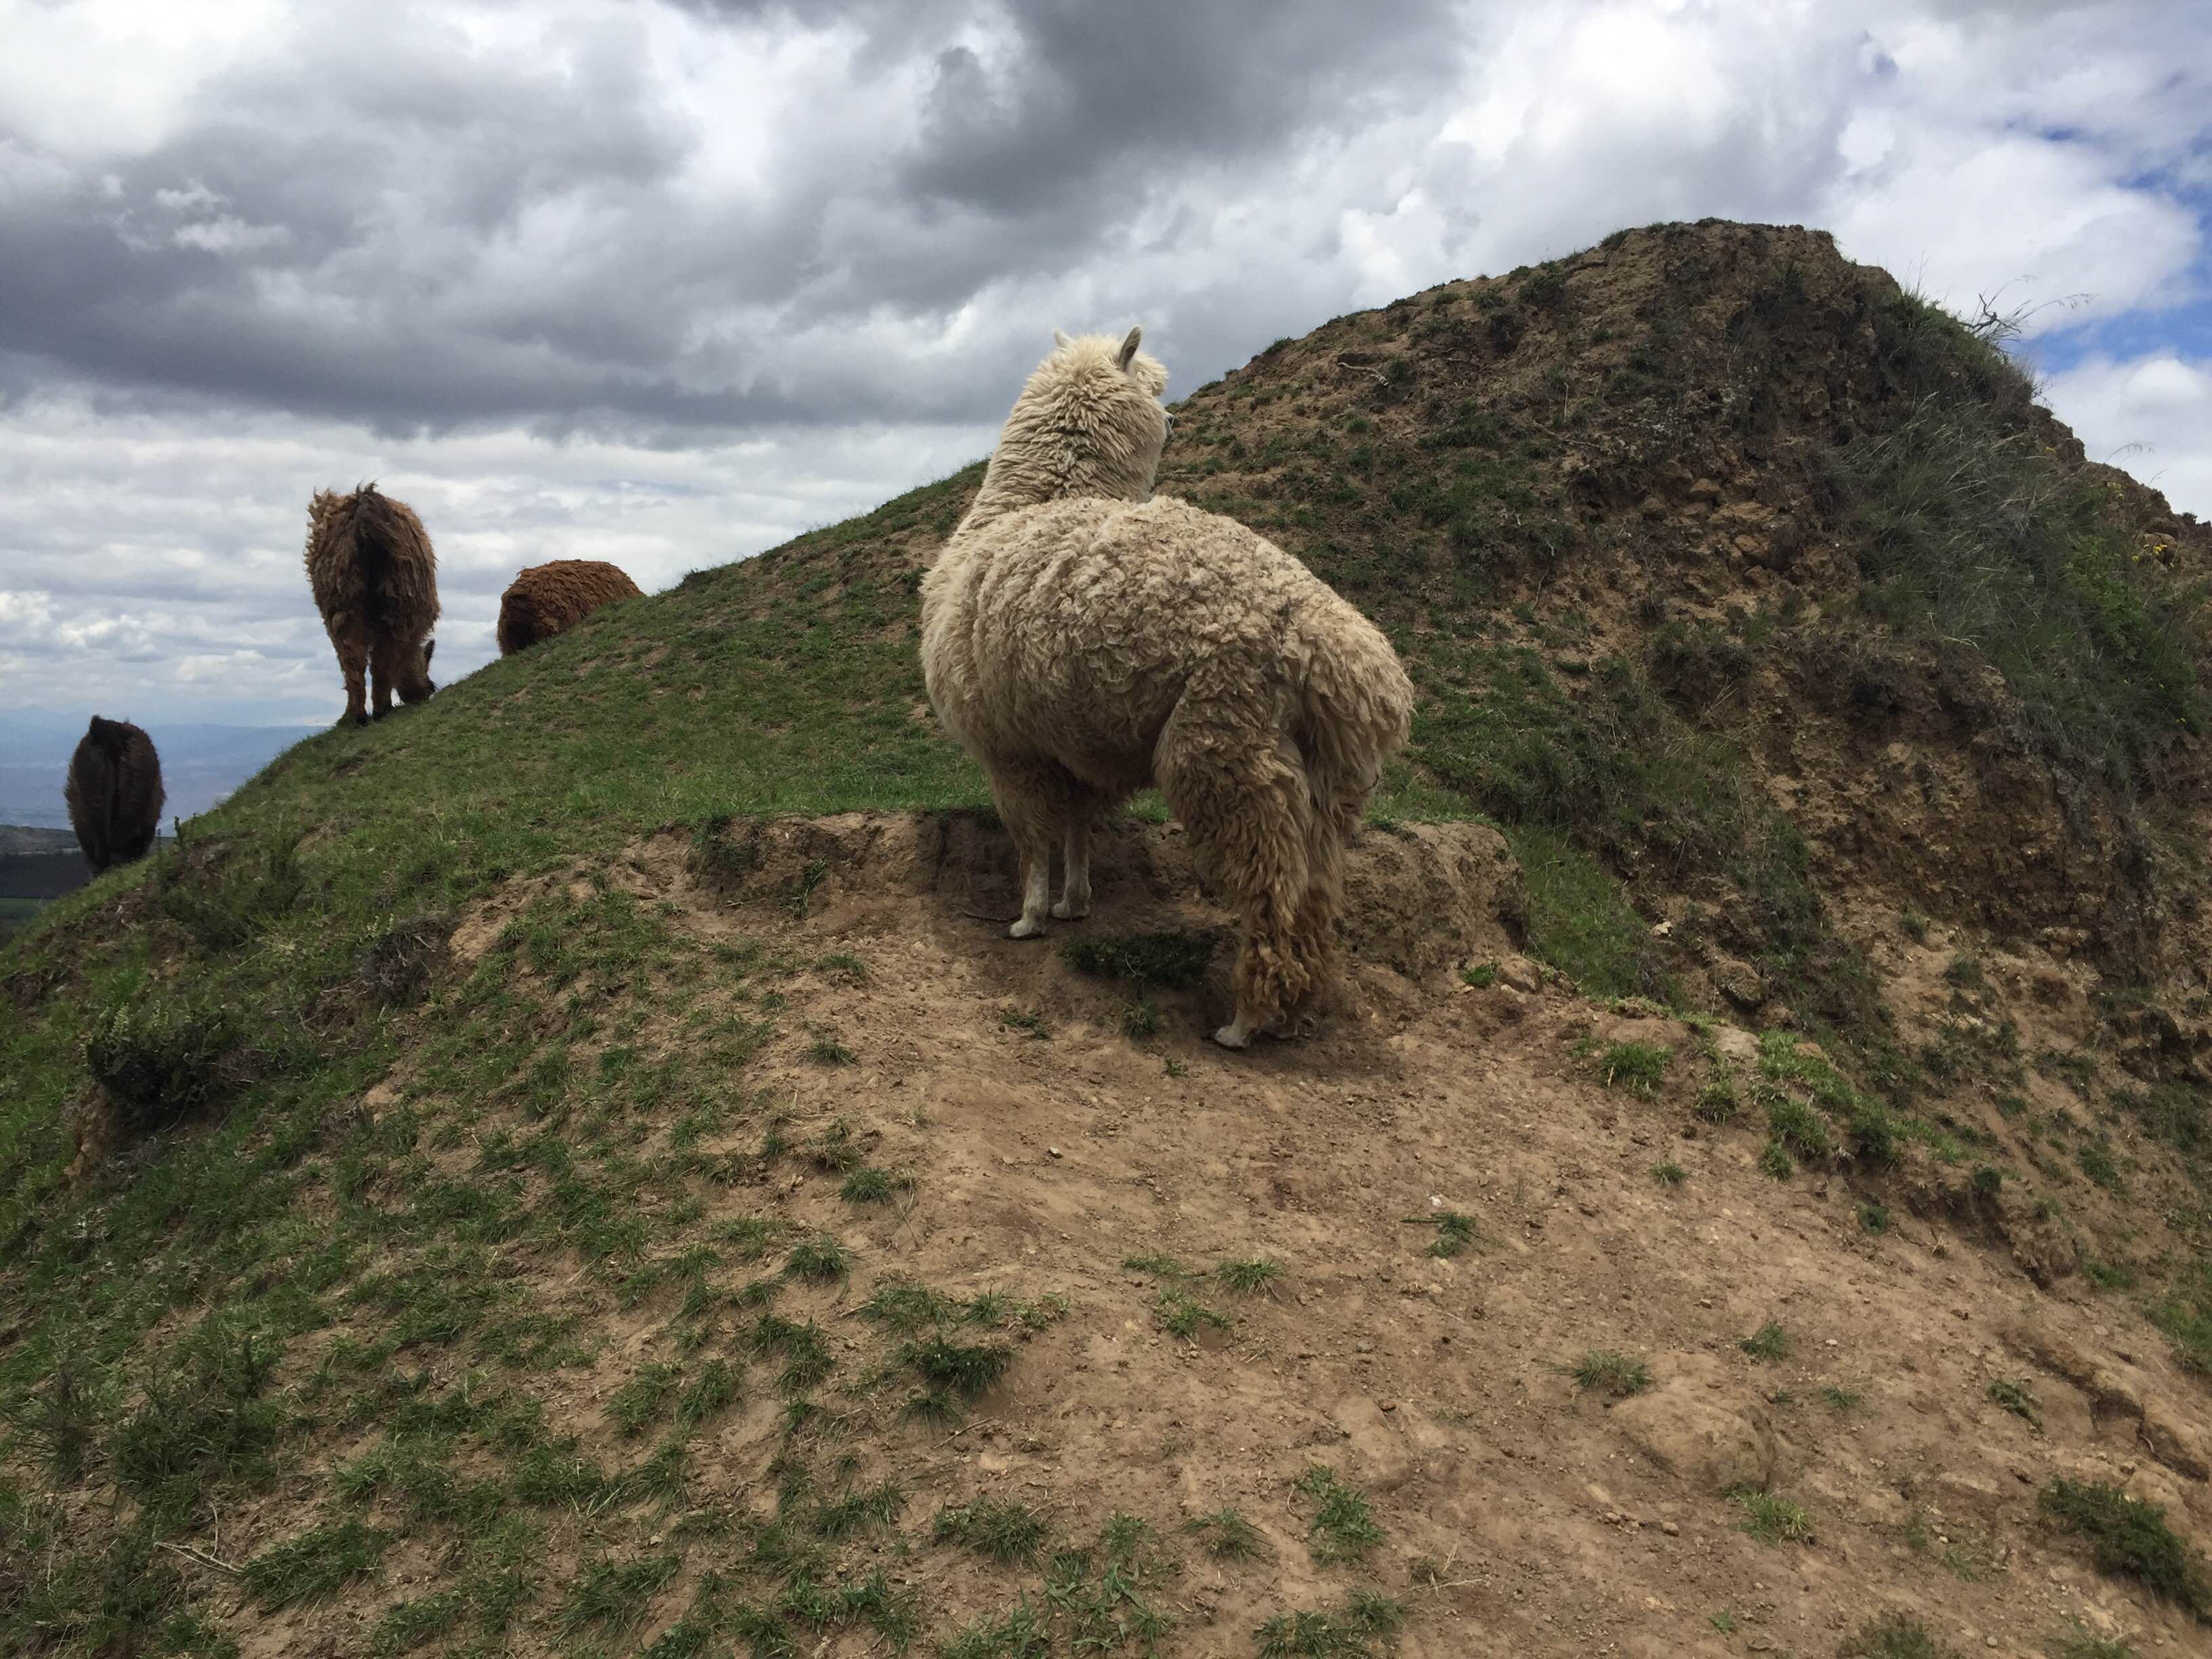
<point>1353,710</point>
<point>378,537</point>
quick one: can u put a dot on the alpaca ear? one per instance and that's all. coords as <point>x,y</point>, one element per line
<point>1059,339</point>
<point>1129,349</point>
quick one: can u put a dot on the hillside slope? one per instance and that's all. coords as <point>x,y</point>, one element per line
<point>577,1168</point>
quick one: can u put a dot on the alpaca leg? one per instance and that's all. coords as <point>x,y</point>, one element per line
<point>382,660</point>
<point>1314,934</point>
<point>1075,874</point>
<point>1034,801</point>
<point>353,663</point>
<point>1242,797</point>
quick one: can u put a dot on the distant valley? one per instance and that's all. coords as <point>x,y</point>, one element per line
<point>201,764</point>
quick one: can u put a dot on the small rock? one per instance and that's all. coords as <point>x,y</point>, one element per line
<point>1052,1152</point>
<point>1703,1440</point>
<point>1670,1530</point>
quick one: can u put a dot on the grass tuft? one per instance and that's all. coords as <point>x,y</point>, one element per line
<point>1168,960</point>
<point>1350,1631</point>
<point>998,1529</point>
<point>1638,1068</point>
<point>1226,1536</point>
<point>2130,1538</point>
<point>2014,1398</point>
<point>821,1260</point>
<point>1454,1233</point>
<point>1773,1520</point>
<point>1894,1636</point>
<point>313,1564</point>
<point>1249,1277</point>
<point>1768,1344</point>
<point>1343,1527</point>
<point>963,1369</point>
<point>1610,1373</point>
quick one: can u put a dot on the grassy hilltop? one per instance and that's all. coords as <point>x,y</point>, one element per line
<point>586,1210</point>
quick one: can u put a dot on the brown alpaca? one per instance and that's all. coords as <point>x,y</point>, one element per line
<point>547,599</point>
<point>114,792</point>
<point>376,583</point>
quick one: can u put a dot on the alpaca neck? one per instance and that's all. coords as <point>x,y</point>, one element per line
<point>1019,475</point>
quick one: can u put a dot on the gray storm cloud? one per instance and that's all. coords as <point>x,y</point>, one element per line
<point>668,282</point>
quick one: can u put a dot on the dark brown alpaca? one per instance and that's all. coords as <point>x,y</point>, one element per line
<point>376,583</point>
<point>114,792</point>
<point>547,599</point>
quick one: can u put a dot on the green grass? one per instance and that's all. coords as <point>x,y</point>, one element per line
<point>1717,1100</point>
<point>1454,1233</point>
<point>2130,1538</point>
<point>998,1529</point>
<point>1226,1536</point>
<point>821,1260</point>
<point>2097,1164</point>
<point>612,1592</point>
<point>2014,1398</point>
<point>1020,1634</point>
<point>1344,1528</point>
<point>1773,1520</point>
<point>1182,1315</point>
<point>964,1370</point>
<point>313,1564</point>
<point>1606,1372</point>
<point>1768,1344</point>
<point>1968,533</point>
<point>1251,1276</point>
<point>1638,1068</point>
<point>1895,1636</point>
<point>1169,960</point>
<point>1362,1626</point>
<point>2184,1313</point>
<point>871,1185</point>
<point>1669,1175</point>
<point>2077,1641</point>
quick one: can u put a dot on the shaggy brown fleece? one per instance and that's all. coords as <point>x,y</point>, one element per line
<point>114,792</point>
<point>1082,643</point>
<point>376,580</point>
<point>546,599</point>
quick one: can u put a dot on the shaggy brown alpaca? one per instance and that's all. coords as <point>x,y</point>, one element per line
<point>114,792</point>
<point>547,599</point>
<point>1083,637</point>
<point>376,583</point>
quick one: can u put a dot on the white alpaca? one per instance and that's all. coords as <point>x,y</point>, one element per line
<point>1084,639</point>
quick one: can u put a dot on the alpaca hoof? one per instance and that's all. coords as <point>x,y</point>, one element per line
<point>361,719</point>
<point>1067,912</point>
<point>1233,1036</point>
<point>1026,929</point>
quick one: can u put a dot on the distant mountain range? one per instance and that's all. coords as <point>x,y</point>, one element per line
<point>201,762</point>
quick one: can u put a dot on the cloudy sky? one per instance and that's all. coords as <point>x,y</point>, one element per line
<point>668,282</point>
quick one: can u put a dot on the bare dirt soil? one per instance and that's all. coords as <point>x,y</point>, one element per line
<point>1520,1512</point>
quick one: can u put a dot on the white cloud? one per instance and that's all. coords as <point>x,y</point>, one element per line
<point>2151,415</point>
<point>665,283</point>
<point>151,562</point>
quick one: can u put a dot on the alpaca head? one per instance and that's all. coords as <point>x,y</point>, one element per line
<point>1087,422</point>
<point>414,675</point>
